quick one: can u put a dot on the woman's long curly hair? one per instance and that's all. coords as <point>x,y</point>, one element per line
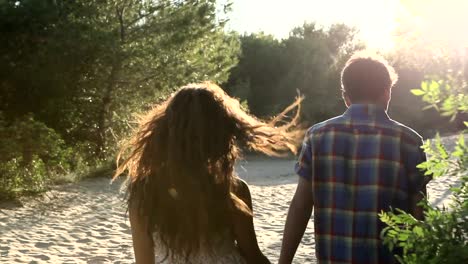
<point>180,163</point>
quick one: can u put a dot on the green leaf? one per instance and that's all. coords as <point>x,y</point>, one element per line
<point>403,237</point>
<point>434,86</point>
<point>417,92</point>
<point>424,86</point>
<point>418,231</point>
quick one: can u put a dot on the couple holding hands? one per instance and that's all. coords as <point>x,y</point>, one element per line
<point>186,204</point>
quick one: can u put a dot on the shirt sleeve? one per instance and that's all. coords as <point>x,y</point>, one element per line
<point>304,165</point>
<point>417,181</point>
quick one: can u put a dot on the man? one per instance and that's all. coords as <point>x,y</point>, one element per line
<point>352,167</point>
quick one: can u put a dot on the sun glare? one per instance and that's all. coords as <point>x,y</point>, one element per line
<point>437,22</point>
<point>375,19</point>
<point>378,21</point>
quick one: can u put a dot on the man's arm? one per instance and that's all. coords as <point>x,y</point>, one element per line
<point>416,210</point>
<point>299,214</point>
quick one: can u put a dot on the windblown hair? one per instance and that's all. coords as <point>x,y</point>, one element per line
<point>180,163</point>
<point>366,76</point>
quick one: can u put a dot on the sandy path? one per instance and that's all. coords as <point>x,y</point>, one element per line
<point>86,223</point>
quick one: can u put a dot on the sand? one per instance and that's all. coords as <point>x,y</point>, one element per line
<point>86,222</point>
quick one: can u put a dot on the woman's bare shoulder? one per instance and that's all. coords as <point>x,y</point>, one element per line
<point>241,186</point>
<point>242,191</point>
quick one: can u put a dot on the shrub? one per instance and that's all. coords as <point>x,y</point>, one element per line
<point>31,155</point>
<point>442,237</point>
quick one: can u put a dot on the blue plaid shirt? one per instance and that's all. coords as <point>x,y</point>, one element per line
<point>359,163</point>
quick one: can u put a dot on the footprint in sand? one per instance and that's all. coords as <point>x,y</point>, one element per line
<point>43,244</point>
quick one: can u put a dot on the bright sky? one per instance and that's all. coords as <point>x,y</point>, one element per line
<point>375,19</point>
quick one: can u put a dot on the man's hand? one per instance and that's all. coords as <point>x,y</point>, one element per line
<point>416,210</point>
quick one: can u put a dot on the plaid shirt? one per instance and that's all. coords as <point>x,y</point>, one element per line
<point>359,164</point>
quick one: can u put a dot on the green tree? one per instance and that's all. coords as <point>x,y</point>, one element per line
<point>271,72</point>
<point>81,68</point>
<point>261,67</point>
<point>315,59</point>
<point>152,46</point>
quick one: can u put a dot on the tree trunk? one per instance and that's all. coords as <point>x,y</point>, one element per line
<point>104,115</point>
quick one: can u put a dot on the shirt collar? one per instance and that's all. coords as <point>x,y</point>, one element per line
<point>366,112</point>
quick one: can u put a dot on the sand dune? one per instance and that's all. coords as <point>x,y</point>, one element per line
<point>86,222</point>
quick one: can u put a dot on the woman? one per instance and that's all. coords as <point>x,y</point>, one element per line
<point>186,204</point>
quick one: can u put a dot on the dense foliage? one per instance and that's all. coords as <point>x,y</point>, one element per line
<point>32,155</point>
<point>73,72</point>
<point>443,235</point>
<point>272,72</point>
